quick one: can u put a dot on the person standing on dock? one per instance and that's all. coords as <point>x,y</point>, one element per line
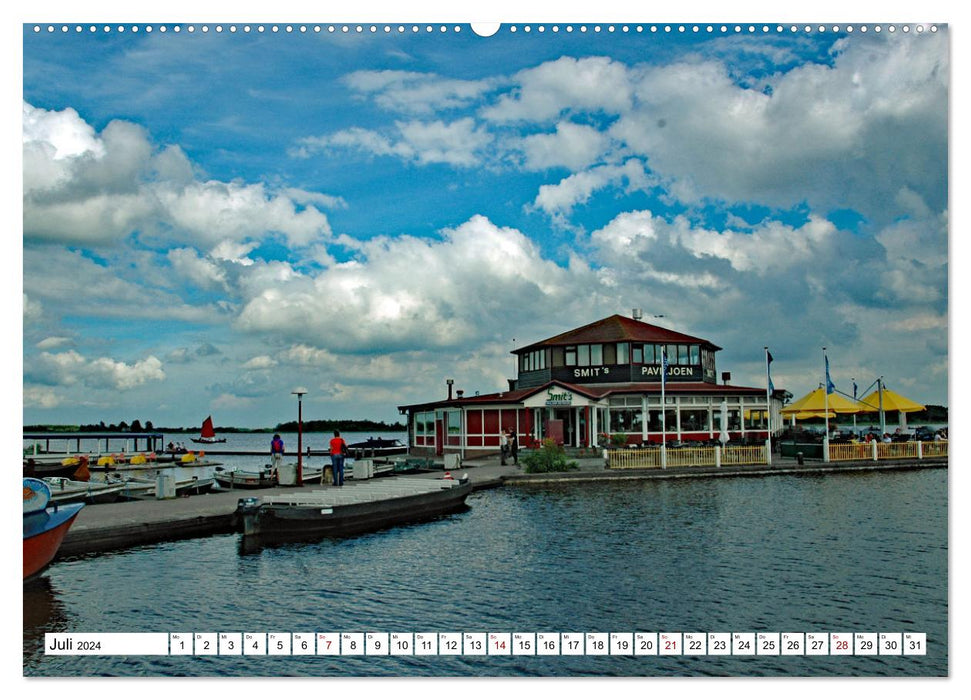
<point>276,451</point>
<point>514,446</point>
<point>338,449</point>
<point>503,446</point>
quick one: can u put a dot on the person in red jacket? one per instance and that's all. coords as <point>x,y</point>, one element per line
<point>338,449</point>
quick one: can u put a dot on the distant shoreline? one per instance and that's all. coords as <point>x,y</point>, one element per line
<point>350,426</point>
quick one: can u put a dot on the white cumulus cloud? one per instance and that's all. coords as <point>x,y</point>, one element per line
<point>84,187</point>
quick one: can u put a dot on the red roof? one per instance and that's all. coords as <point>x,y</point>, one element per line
<point>597,391</point>
<point>615,329</point>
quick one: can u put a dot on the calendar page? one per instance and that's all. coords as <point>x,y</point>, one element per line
<point>499,331</point>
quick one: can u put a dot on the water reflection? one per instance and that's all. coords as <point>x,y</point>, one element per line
<point>43,612</point>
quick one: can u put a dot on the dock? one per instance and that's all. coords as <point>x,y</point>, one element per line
<point>113,526</point>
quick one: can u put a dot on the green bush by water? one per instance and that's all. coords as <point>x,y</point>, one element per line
<point>548,458</point>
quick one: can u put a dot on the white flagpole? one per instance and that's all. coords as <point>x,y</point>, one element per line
<point>664,409</point>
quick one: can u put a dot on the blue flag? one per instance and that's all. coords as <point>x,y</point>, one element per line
<point>664,365</point>
<point>830,387</point>
<point>768,373</point>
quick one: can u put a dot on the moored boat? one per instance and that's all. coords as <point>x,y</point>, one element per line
<point>245,479</point>
<point>377,447</point>
<point>64,490</point>
<point>44,526</point>
<point>41,467</point>
<point>353,508</point>
<point>138,488</point>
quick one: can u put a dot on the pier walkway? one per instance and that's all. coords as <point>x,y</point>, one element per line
<point>113,526</point>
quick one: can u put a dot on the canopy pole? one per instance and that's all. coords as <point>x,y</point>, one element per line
<point>883,416</point>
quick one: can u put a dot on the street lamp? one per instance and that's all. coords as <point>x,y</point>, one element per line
<point>299,392</point>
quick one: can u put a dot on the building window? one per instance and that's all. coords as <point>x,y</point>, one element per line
<point>583,355</point>
<point>755,418</point>
<point>425,423</point>
<point>557,357</point>
<point>734,419</point>
<point>533,361</point>
<point>695,359</point>
<point>453,421</point>
<point>637,354</point>
<point>682,354</point>
<point>708,362</point>
<point>623,353</point>
<point>596,354</point>
<point>610,354</point>
<point>654,421</point>
<point>570,359</point>
<point>694,420</point>
<point>626,420</point>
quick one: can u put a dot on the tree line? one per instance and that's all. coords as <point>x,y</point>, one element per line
<point>351,426</point>
<point>136,426</point>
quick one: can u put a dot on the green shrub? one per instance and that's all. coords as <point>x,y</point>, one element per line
<point>548,458</point>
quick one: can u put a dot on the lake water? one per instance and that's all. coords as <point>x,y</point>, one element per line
<point>235,442</point>
<point>854,552</point>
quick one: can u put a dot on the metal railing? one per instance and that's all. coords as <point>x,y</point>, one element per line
<point>648,458</point>
<point>937,448</point>
<point>896,450</point>
<point>876,451</point>
<point>750,454</point>
<point>691,456</point>
<point>651,458</point>
<point>850,452</point>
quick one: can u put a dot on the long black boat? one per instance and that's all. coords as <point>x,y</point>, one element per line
<point>352,509</point>
<point>377,447</point>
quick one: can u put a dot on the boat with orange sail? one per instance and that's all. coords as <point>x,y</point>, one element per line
<point>208,433</point>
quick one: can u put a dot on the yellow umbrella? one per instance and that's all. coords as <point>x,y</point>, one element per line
<point>814,405</point>
<point>796,406</point>
<point>892,401</point>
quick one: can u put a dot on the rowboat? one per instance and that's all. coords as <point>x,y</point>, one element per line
<point>40,467</point>
<point>243,479</point>
<point>44,526</point>
<point>353,508</point>
<point>136,488</point>
<point>64,490</point>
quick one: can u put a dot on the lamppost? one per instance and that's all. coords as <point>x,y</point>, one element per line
<point>299,392</point>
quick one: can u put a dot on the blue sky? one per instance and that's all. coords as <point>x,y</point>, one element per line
<point>212,219</point>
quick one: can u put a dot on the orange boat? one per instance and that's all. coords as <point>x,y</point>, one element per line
<point>44,526</point>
